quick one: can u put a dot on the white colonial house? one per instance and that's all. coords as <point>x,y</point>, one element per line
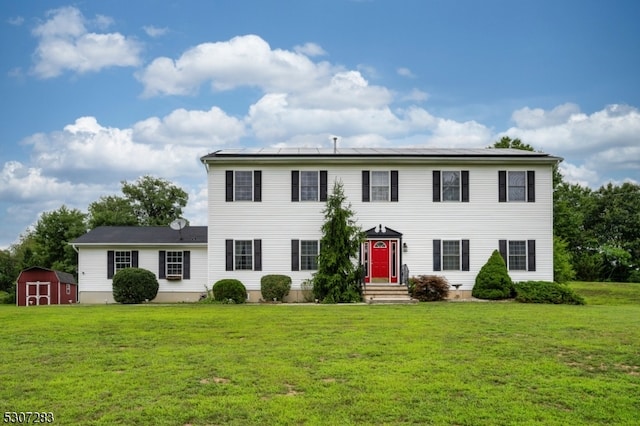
<point>424,211</point>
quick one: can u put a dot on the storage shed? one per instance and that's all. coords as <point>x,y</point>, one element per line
<point>41,286</point>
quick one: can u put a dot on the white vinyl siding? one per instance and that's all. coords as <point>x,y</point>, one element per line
<point>481,220</point>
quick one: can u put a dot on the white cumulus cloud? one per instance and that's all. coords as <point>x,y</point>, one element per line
<point>65,44</point>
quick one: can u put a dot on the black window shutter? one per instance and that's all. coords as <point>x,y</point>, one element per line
<point>323,185</point>
<point>465,255</point>
<point>531,186</point>
<point>161,264</point>
<point>295,185</point>
<point>295,255</point>
<point>257,185</point>
<point>134,258</point>
<point>394,185</point>
<point>465,186</point>
<point>436,255</point>
<point>186,265</point>
<point>365,186</point>
<point>257,255</point>
<point>502,247</point>
<point>436,186</point>
<point>502,186</point>
<point>229,185</point>
<point>110,263</point>
<point>531,255</point>
<point>228,251</point>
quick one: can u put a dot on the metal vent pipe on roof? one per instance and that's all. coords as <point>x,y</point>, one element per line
<point>335,145</point>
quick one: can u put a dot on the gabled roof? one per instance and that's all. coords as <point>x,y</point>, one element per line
<point>382,153</point>
<point>143,235</point>
<point>63,277</point>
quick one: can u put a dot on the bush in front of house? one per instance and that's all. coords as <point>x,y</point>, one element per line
<point>134,285</point>
<point>275,287</point>
<point>546,292</point>
<point>493,281</point>
<point>429,288</point>
<point>229,289</point>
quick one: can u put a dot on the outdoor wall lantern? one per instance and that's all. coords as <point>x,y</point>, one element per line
<point>405,247</point>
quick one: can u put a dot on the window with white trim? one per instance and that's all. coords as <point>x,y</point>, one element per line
<point>243,255</point>
<point>308,255</point>
<point>243,185</point>
<point>380,186</point>
<point>122,260</point>
<point>174,262</point>
<point>309,184</point>
<point>450,255</point>
<point>517,186</point>
<point>450,186</point>
<point>517,255</point>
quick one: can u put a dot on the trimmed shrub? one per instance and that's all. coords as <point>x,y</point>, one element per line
<point>134,285</point>
<point>275,287</point>
<point>493,280</point>
<point>547,292</point>
<point>229,289</point>
<point>429,288</point>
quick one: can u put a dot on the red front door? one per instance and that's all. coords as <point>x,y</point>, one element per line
<point>380,261</point>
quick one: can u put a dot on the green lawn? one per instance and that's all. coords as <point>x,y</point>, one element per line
<point>430,363</point>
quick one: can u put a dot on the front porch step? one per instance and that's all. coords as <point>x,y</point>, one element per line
<point>386,293</point>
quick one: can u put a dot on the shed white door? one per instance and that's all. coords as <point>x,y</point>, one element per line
<point>38,293</point>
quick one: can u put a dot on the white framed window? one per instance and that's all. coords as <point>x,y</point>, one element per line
<point>309,185</point>
<point>308,255</point>
<point>122,260</point>
<point>450,186</point>
<point>68,289</point>
<point>450,255</point>
<point>516,186</point>
<point>243,185</point>
<point>517,255</point>
<point>380,186</point>
<point>243,255</point>
<point>174,262</point>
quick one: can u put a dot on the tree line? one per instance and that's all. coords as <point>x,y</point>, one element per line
<point>596,232</point>
<point>148,201</point>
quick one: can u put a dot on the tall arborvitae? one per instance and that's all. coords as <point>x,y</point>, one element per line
<point>339,276</point>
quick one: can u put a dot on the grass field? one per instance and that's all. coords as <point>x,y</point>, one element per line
<point>430,363</point>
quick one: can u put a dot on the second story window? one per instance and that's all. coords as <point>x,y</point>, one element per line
<point>243,185</point>
<point>516,186</point>
<point>308,185</point>
<point>379,185</point>
<point>450,185</point>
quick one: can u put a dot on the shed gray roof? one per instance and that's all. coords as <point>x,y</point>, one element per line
<point>377,152</point>
<point>142,235</point>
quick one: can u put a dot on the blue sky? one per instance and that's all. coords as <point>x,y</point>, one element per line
<point>95,92</point>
